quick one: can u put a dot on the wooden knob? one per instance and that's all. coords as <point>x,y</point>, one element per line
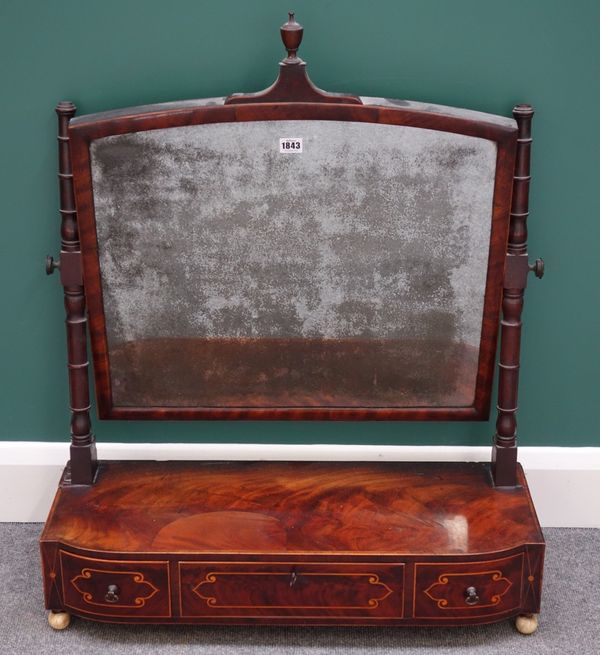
<point>527,624</point>
<point>51,264</point>
<point>59,620</point>
<point>291,35</point>
<point>537,268</point>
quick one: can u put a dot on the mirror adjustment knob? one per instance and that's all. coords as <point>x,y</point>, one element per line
<point>51,264</point>
<point>537,268</point>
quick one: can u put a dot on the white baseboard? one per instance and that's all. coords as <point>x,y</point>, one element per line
<point>564,482</point>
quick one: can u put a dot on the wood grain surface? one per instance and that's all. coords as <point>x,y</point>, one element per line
<point>293,542</point>
<point>293,507</point>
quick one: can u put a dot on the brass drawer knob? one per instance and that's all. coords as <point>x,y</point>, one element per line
<point>471,598</point>
<point>112,594</point>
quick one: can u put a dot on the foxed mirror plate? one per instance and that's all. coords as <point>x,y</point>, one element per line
<point>350,274</point>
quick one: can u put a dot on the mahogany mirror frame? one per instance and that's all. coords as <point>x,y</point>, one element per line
<point>84,130</point>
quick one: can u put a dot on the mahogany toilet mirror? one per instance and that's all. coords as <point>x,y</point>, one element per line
<point>293,255</point>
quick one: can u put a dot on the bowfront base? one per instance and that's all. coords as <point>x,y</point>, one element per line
<point>335,543</point>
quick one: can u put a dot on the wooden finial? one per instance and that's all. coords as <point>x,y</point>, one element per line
<point>523,111</point>
<point>292,83</point>
<point>291,35</point>
<point>66,108</point>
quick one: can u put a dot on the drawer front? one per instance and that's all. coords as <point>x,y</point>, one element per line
<point>116,587</point>
<point>294,589</point>
<point>461,590</point>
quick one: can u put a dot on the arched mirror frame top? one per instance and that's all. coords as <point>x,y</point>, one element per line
<point>87,131</point>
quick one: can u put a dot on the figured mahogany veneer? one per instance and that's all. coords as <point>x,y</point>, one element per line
<point>308,542</point>
<point>142,588</point>
<point>440,589</point>
<point>298,589</point>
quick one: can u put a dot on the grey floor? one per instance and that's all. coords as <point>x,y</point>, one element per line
<point>569,623</point>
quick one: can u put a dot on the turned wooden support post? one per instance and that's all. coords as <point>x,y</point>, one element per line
<point>504,457</point>
<point>83,448</point>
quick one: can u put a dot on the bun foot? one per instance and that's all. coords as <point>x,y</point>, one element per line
<point>526,624</point>
<point>59,620</point>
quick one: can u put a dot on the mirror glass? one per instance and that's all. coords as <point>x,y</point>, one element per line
<point>349,272</point>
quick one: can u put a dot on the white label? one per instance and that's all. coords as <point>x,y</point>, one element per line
<point>290,144</point>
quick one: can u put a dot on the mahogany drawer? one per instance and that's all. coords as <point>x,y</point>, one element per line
<point>449,590</point>
<point>291,589</point>
<point>116,587</point>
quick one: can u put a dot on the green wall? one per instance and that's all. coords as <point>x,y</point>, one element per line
<point>473,53</point>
